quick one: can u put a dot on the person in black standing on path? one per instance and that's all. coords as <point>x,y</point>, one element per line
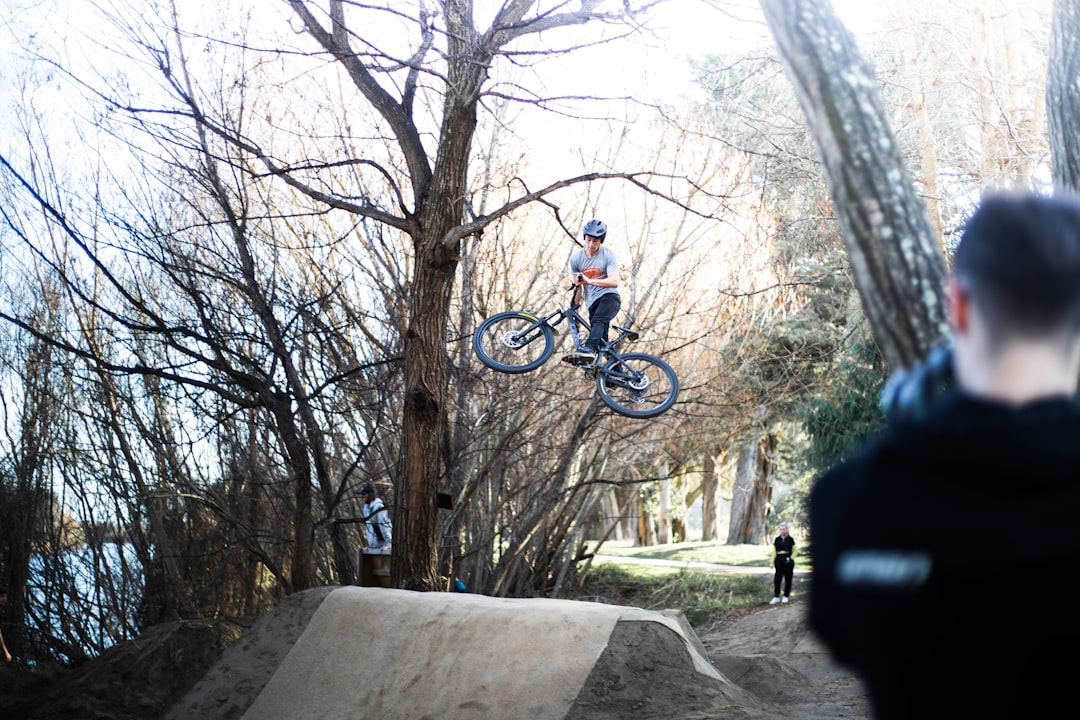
<point>784,564</point>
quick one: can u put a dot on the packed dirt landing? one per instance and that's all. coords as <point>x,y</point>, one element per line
<point>348,652</point>
<point>400,654</point>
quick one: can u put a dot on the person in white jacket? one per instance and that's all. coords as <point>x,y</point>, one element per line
<point>377,523</point>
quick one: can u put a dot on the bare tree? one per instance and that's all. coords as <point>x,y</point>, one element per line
<point>432,211</point>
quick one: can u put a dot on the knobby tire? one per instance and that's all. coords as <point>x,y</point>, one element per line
<point>499,344</point>
<point>626,396</point>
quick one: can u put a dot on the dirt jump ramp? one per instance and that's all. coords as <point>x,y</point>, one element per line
<point>358,652</point>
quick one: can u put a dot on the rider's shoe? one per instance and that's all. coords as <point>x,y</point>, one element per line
<point>580,357</point>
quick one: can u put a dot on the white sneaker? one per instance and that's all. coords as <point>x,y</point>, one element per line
<point>784,599</point>
<point>774,601</point>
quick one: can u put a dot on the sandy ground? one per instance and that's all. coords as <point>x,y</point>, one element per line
<point>771,666</point>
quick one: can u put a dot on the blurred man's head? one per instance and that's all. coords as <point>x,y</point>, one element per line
<point>1018,262</point>
<point>1014,295</point>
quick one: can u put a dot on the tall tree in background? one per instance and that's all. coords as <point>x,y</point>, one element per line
<point>896,260</point>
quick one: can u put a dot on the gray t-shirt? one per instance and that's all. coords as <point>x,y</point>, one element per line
<point>602,265</point>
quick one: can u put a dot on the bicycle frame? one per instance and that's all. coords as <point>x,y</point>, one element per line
<point>576,322</point>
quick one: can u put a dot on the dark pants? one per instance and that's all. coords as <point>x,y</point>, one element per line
<point>785,569</point>
<point>601,313</point>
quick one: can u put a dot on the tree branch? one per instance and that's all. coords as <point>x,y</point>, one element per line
<point>465,229</point>
<point>336,42</point>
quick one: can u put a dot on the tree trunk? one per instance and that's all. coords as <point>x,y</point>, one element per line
<point>896,260</point>
<point>663,532</point>
<point>915,69</point>
<point>710,498</point>
<point>753,491</point>
<point>1063,95</point>
<point>424,424</point>
<point>612,514</point>
<point>634,527</point>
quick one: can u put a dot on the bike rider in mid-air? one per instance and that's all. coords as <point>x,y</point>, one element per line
<point>597,269</point>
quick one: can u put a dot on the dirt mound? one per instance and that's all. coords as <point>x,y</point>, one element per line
<point>645,672</point>
<point>138,679</point>
<point>771,666</point>
<point>773,655</point>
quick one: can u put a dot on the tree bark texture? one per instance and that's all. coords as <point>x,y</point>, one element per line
<point>664,524</point>
<point>896,260</point>
<point>710,497</point>
<point>1063,95</point>
<point>752,494</point>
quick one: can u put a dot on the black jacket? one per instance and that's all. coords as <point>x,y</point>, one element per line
<point>939,569</point>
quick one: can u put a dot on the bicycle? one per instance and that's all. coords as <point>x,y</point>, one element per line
<point>634,384</point>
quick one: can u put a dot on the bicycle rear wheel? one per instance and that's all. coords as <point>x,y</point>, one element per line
<point>638,385</point>
<point>513,342</point>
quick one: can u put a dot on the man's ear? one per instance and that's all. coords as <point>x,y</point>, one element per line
<point>958,305</point>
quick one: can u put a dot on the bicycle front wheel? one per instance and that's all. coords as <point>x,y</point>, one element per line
<point>638,385</point>
<point>513,342</point>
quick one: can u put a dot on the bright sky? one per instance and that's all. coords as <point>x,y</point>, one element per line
<point>680,29</point>
<point>649,69</point>
<point>654,66</point>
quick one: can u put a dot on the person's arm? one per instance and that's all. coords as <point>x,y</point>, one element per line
<point>382,521</point>
<point>7,655</point>
<point>830,512</point>
<point>576,279</point>
<point>610,281</point>
<point>388,528</point>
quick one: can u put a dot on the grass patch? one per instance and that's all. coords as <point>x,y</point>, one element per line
<point>710,552</point>
<point>702,596</point>
<point>706,552</point>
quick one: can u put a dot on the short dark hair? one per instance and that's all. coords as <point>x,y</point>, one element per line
<point>1019,260</point>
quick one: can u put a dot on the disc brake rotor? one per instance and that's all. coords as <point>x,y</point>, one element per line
<point>511,339</point>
